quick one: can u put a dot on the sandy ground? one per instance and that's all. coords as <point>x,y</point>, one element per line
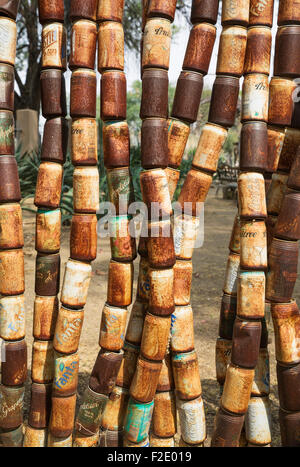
<point>209,268</point>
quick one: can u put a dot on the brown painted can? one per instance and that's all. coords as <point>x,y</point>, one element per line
<point>205,10</point>
<point>11,227</point>
<point>154,143</point>
<point>261,12</point>
<point>251,295</point>
<point>178,133</point>
<point>224,100</point>
<point>14,368</point>
<point>7,135</point>
<point>62,416</point>
<point>289,149</point>
<point>54,46</point>
<point>227,430</point>
<point>86,189</point>
<point>281,101</point>
<point>287,64</point>
<point>155,337</point>
<point>237,389</point>
<point>9,180</point>
<point>116,144</point>
<point>104,374</point>
<point>286,321</point>
<point>112,330</point>
<point>156,43</point>
<point>128,365</point>
<point>154,101</point>
<point>66,368</point>
<point>40,405</point>
<point>12,272</point>
<point>68,330</point>
<point>110,10</point>
<point>87,10</point>
<point>253,245</point>
<point>47,274</point>
<point>160,245</point>
<point>227,316</point>
<point>182,329</point>
<point>288,12</point>
<point>11,409</point>
<point>83,238</point>
<point>254,146</point>
<point>48,231</point>
<point>234,242</point>
<point>232,50</point>
<point>7,79</point>
<point>8,40</point>
<point>42,365</point>
<point>144,383</point>
<point>166,380</point>
<point>245,343</point>
<point>282,275</point>
<point>113,95</point>
<point>288,226</point>
<point>53,94</point>
<point>251,187</point>
<point>110,46</point>
<point>161,301</point>
<point>194,191</point>
<point>186,375</point>
<point>222,358</point>
<point>235,12</point>
<point>275,144</point>
<point>289,428</point>
<point>83,93</point>
<point>55,140</point>
<point>164,415</point>
<point>154,186</point>
<point>255,97</point>
<point>83,44</point>
<point>258,51</point>
<point>120,280</point>
<point>51,11</point>
<point>199,48</point>
<point>161,9</point>
<point>49,184</point>
<point>45,315</point>
<point>209,148</point>
<point>288,387</point>
<point>135,326</point>
<point>115,410</point>
<point>276,193</point>
<point>187,96</point>
<point>183,275</point>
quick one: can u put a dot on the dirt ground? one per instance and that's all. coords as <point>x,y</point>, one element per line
<point>209,269</point>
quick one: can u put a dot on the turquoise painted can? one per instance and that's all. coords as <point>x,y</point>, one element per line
<point>138,419</point>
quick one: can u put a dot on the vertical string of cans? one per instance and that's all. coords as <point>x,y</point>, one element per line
<point>83,238</point>
<point>12,284</point>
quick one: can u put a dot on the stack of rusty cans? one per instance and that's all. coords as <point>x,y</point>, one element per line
<point>12,285</point>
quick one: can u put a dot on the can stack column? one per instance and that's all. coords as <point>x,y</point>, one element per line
<point>12,284</point>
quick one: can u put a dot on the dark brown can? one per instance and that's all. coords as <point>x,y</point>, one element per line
<point>288,12</point>
<point>245,343</point>
<point>105,371</point>
<point>113,95</point>
<point>11,408</point>
<point>154,102</point>
<point>287,51</point>
<point>83,93</point>
<point>160,244</point>
<point>288,378</point>
<point>48,186</point>
<point>289,428</point>
<point>62,416</point>
<point>40,405</point>
<point>86,9</point>
<point>161,8</point>
<point>294,177</point>
<point>187,96</point>
<point>289,149</point>
<point>154,143</point>
<point>53,93</point>
<point>261,12</point>
<point>55,140</point>
<point>204,10</point>
<point>50,11</point>
<point>258,51</point>
<point>9,180</point>
<point>275,144</point>
<point>288,225</point>
<point>14,368</point>
<point>120,280</point>
<point>227,316</point>
<point>199,48</point>
<point>47,275</point>
<point>224,100</point>
<point>227,430</point>
<point>83,240</point>
<point>116,144</point>
<point>7,133</point>
<point>7,79</point>
<point>254,146</point>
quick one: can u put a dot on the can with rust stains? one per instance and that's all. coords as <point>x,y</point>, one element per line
<point>251,295</point>
<point>289,149</point>
<point>204,10</point>
<point>199,48</point>
<point>271,222</point>
<point>135,326</point>
<point>209,147</point>
<point>76,284</point>
<point>83,239</point>
<point>231,274</point>
<point>14,368</point>
<point>234,243</point>
<point>54,38</point>
<point>45,315</point>
<point>11,407</point>
<point>164,415</point>
<point>12,439</point>
<point>253,245</point>
<point>128,365</point>
<point>286,321</point>
<point>254,146</point>
<point>105,371</point>
<point>158,442</point>
<point>294,176</point>
<point>12,272</point>
<point>288,386</point>
<point>282,275</point>
<point>113,95</point>
<point>83,93</point>
<point>54,442</point>
<point>252,196</point>
<point>192,420</point>
<point>86,189</point>
<point>42,362</point>
<point>166,380</point>
<point>258,51</point>
<point>289,428</point>
<point>110,10</point>
<point>7,143</point>
<point>160,245</point>
<point>53,94</point>
<point>7,79</point>
<point>261,382</point>
<point>245,343</point>
<point>287,226</point>
<point>51,11</point>
<point>232,50</point>
<point>115,410</point>
<point>122,239</point>
<point>65,374</point>
<point>35,437</point>
<point>183,274</point>
<point>48,231</point>
<point>227,316</point>
<point>116,144</point>
<point>161,302</point>
<point>83,44</point>
<point>156,43</point>
<point>187,96</point>
<point>55,140</point>
<point>11,227</point>
<point>223,357</point>
<point>237,389</point>
<point>186,375</point>
<point>87,10</point>
<point>137,421</point>
<point>235,12</point>
<point>276,193</point>
<point>255,97</point>
<point>261,12</point>
<point>162,9</point>
<point>47,274</point>
<point>281,103</point>
<point>224,100</point>
<point>62,416</point>
<point>84,141</point>
<point>120,280</point>
<point>90,413</point>
<point>12,318</point>
<point>227,430</point>
<point>81,441</point>
<point>120,189</point>
<point>194,191</point>
<point>287,64</point>
<point>155,337</point>
<point>8,40</point>
<point>144,382</point>
<point>154,143</point>
<point>276,137</point>
<point>178,133</point>
<point>40,405</point>
<point>182,329</point>
<point>143,286</point>
<point>49,184</point>
<point>173,176</point>
<point>9,8</point>
<point>288,12</point>
<point>110,46</point>
<point>68,330</point>
<point>112,330</point>
<point>155,192</point>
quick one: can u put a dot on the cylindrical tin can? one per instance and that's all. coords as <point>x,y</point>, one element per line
<point>164,415</point>
<point>194,191</point>
<point>186,375</point>
<point>286,321</point>
<point>9,180</point>
<point>86,189</point>
<point>289,149</point>
<point>135,326</point>
<point>120,280</point>
<point>204,10</point>
<point>128,365</point>
<point>12,439</point>
<point>137,421</point>
<point>251,295</point>
<point>115,410</point>
<point>66,369</point>
<point>143,385</point>
<point>83,93</point>
<point>40,405</point>
<point>53,94</point>
<point>48,231</point>
<point>8,40</point>
<point>287,64</point>
<point>47,274</point>
<point>173,176</point>
<point>275,144</point>
<point>187,96</point>
<point>183,274</point>
<point>35,438</point>
<point>42,362</point>
<point>154,186</point>
<point>237,389</point>
<point>155,337</point>
<point>84,141</point>
<point>116,144</point>
<point>54,45</point>
<point>227,316</point>
<point>255,97</point>
<point>162,9</point>
<point>227,430</point>
<point>7,134</point>
<point>231,274</point>
<point>81,441</point>
<point>282,275</point>
<point>122,238</point>
<point>232,50</point>
<point>12,318</point>
<point>160,244</point>
<point>161,302</point>
<point>253,245</point>
<point>120,189</point>
<point>154,143</point>
<point>11,407</point>
<point>113,95</point>
<point>254,146</point>
<point>223,356</point>
<point>209,147</point>
<point>178,133</point>
<point>49,184</point>
<point>12,272</point>
<point>157,442</point>
<point>83,44</point>
<point>7,78</point>
<point>14,367</point>
<point>55,140</point>
<point>258,51</point>
<point>252,196</point>
<point>287,226</point>
<point>245,343</point>
<point>62,416</point>
<point>234,243</point>
<point>156,43</point>
<point>110,10</point>
<point>112,330</point>
<point>143,286</point>
<point>90,412</point>
<point>105,371</point>
<point>261,12</point>
<point>79,9</point>
<point>166,380</point>
<point>235,12</point>
<point>261,382</point>
<point>76,284</point>
<point>54,442</point>
<point>110,46</point>
<point>51,11</point>
<point>45,315</point>
<point>83,239</point>
<point>288,387</point>
<point>224,100</point>
<point>192,420</point>
<point>288,12</point>
<point>199,48</point>
<point>68,330</point>
<point>281,101</point>
<point>182,329</point>
<point>11,228</point>
<point>276,193</point>
<point>289,428</point>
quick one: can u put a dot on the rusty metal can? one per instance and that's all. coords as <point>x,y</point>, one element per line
<point>110,46</point>
<point>76,284</point>
<point>105,371</point>
<point>254,146</point>
<point>186,375</point>
<point>161,302</point>
<point>237,389</point>
<point>62,416</point>
<point>83,44</point>
<point>234,243</point>
<point>11,228</point>
<point>42,362</point>
<point>160,245</point>
<point>83,93</point>
<point>187,96</point>
<point>120,189</point>
<point>35,437</point>
<point>182,329</point>
<point>162,9</point>
<point>231,274</point>
<point>8,40</point>
<point>286,320</point>
<point>252,197</point>
<point>209,147</point>
<point>199,48</point>
<point>113,95</point>
<point>204,10</point>
<point>7,132</point>
<point>178,133</point>
<point>253,245</point>
<point>65,379</point>
<point>158,442</point>
<point>224,100</point>
<point>137,422</point>
<point>223,357</point>
<point>11,407</point>
<point>53,94</point>
<point>232,50</point>
<point>110,10</point>
<point>245,343</point>
<point>54,442</point>
<point>154,143</point>
<point>276,137</point>
<point>86,189</point>
<point>164,415</point>
<point>12,272</point>
<point>45,315</point>
<point>68,330</point>
<point>251,294</point>
<point>55,140</point>
<point>258,51</point>
<point>258,421</point>
<point>40,405</point>
<point>282,275</point>
<point>173,176</point>
<point>183,274</point>
<point>135,326</point>
<point>48,186</point>
<point>12,439</point>
<point>287,226</point>
<point>185,233</point>
<point>287,64</point>
<point>227,316</point>
<point>115,410</point>
<point>51,11</point>
<point>120,280</point>
<point>90,412</point>
<point>192,420</point>
<point>84,149</point>
<point>261,12</point>
<point>128,365</point>
<point>9,8</point>
<point>281,101</point>
<point>227,429</point>
<point>155,192</point>
<point>112,330</point>
<point>83,239</point>
<point>155,337</point>
<point>12,318</point>
<point>54,45</point>
<point>47,274</point>
<point>261,382</point>
<point>144,382</point>
<point>7,78</point>
<point>289,149</point>
<point>48,231</point>
<point>255,97</point>
<point>288,12</point>
<point>235,12</point>
<point>116,144</point>
<point>166,380</point>
<point>143,286</point>
<point>156,43</point>
<point>288,386</point>
<point>289,428</point>
<point>276,193</point>
<point>271,225</point>
<point>85,10</point>
<point>122,239</point>
<point>194,191</point>
<point>14,367</point>
<point>82,441</point>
